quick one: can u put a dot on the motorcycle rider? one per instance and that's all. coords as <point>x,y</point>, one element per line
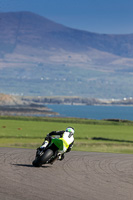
<point>67,138</point>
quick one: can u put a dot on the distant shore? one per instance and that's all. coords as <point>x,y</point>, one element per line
<point>29,106</point>
<point>66,100</point>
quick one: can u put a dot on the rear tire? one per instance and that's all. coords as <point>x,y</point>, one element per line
<point>43,159</point>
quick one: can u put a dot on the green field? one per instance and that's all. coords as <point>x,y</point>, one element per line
<point>90,135</point>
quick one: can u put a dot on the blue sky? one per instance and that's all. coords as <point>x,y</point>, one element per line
<point>100,16</point>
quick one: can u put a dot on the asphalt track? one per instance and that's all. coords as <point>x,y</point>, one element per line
<point>81,175</point>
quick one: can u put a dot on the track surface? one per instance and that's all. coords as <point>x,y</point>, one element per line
<point>81,175</point>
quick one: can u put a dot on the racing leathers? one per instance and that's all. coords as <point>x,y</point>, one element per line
<point>66,137</point>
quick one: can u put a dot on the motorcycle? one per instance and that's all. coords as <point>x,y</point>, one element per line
<point>49,154</point>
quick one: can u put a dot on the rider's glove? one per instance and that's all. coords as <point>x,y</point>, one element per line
<point>47,137</point>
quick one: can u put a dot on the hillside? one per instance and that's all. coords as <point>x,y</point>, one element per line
<point>31,39</point>
<point>56,60</point>
<point>15,105</point>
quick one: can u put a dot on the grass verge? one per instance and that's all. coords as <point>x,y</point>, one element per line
<point>90,135</point>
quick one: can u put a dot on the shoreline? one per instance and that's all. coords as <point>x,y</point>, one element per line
<point>38,106</point>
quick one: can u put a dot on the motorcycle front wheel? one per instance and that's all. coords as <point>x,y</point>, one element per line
<point>43,159</point>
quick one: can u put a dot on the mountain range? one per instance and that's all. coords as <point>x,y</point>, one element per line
<point>53,59</point>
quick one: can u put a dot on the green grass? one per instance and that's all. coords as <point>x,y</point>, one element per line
<point>90,135</point>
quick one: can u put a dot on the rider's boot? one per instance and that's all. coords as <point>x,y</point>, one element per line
<point>60,156</point>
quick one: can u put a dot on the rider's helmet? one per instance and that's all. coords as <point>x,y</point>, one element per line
<point>70,130</point>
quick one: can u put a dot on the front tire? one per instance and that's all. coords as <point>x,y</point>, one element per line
<point>43,159</point>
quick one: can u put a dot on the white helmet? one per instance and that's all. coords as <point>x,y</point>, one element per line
<point>70,130</point>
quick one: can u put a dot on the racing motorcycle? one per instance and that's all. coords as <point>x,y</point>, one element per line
<point>47,155</point>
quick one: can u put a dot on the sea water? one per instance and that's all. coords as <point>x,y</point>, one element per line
<point>94,112</point>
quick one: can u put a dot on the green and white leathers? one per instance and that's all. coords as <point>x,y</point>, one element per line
<point>55,145</point>
<point>62,139</point>
<point>67,139</point>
